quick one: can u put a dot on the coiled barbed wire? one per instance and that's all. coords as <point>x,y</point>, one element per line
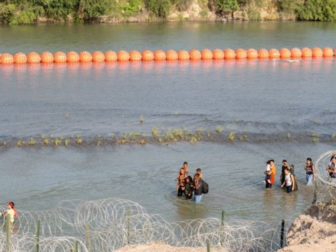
<point>110,224</point>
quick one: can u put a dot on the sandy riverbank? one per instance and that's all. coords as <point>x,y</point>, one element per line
<point>314,231</point>
<point>165,248</point>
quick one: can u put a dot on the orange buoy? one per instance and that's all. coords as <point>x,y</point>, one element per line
<point>47,58</point>
<point>111,56</point>
<point>6,58</point>
<point>241,54</point>
<point>183,55</point>
<point>317,52</point>
<point>252,54</point>
<point>159,55</point>
<point>229,54</point>
<point>171,55</point>
<point>285,53</point>
<point>72,57</point>
<point>85,57</point>
<point>195,55</point>
<point>135,56</point>
<point>98,56</point>
<point>60,57</point>
<point>207,54</point>
<point>147,55</point>
<point>328,52</point>
<point>33,58</point>
<point>274,54</point>
<point>263,54</point>
<point>306,52</point>
<point>123,56</point>
<point>218,54</point>
<point>20,58</point>
<point>296,53</point>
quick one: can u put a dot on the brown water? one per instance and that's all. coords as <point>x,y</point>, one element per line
<point>283,107</point>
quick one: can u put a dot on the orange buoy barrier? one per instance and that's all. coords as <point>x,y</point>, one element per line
<point>274,54</point>
<point>72,57</point>
<point>123,56</point>
<point>296,53</point>
<point>85,57</point>
<point>183,55</point>
<point>285,53</point>
<point>111,56</point>
<point>206,54</point>
<point>307,52</point>
<point>171,55</point>
<point>7,58</point>
<point>135,56</point>
<point>20,58</point>
<point>47,58</point>
<point>252,54</point>
<point>159,55</point>
<point>229,54</point>
<point>263,54</point>
<point>195,55</point>
<point>33,58</point>
<point>317,52</point>
<point>328,52</point>
<point>241,54</point>
<point>98,57</point>
<point>60,57</point>
<point>147,55</point>
<point>218,54</point>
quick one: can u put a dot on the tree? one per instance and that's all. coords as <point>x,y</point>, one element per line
<point>318,10</point>
<point>227,6</point>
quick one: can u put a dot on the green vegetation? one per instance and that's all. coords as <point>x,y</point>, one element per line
<point>16,12</point>
<point>318,10</point>
<point>226,6</point>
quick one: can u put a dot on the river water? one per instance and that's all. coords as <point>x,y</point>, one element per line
<point>285,109</point>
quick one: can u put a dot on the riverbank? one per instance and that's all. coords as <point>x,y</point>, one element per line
<point>314,231</point>
<point>165,248</point>
<point>120,11</point>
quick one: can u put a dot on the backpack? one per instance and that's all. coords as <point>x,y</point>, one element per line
<point>205,187</point>
<point>295,184</point>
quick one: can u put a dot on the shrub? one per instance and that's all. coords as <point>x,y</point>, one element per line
<point>181,5</point>
<point>318,10</point>
<point>253,14</point>
<point>7,12</point>
<point>24,17</point>
<point>91,9</point>
<point>226,6</point>
<point>159,8</point>
<point>131,7</point>
<point>289,6</point>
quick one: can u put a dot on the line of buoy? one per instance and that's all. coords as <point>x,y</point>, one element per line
<point>170,55</point>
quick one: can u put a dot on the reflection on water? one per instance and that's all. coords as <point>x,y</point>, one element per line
<point>166,36</point>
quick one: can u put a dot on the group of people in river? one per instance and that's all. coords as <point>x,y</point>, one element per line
<point>288,179</point>
<point>191,187</point>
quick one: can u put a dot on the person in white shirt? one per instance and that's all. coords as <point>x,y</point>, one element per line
<point>289,181</point>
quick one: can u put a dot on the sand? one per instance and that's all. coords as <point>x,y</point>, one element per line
<point>314,231</point>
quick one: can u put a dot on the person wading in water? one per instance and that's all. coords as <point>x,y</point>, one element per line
<point>309,168</point>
